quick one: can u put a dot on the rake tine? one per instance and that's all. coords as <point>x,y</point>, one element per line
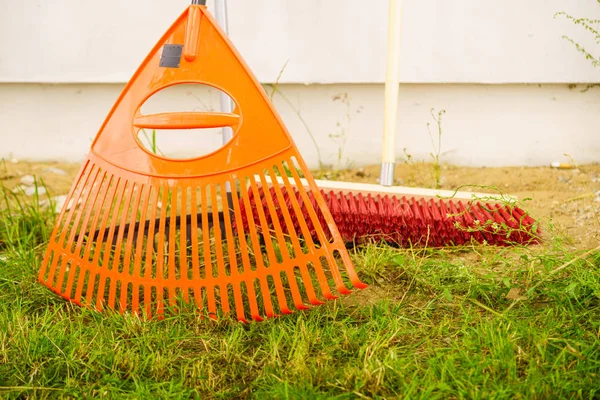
<point>235,261</point>
<point>146,226</point>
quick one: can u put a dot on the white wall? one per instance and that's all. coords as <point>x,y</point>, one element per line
<point>323,41</point>
<point>499,68</point>
<point>483,125</point>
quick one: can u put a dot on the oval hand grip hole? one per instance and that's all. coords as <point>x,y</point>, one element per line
<point>184,97</point>
<point>183,144</point>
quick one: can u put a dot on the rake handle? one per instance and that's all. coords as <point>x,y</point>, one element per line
<point>226,104</point>
<point>191,36</point>
<point>186,120</point>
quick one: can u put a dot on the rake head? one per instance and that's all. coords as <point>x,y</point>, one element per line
<point>140,232</point>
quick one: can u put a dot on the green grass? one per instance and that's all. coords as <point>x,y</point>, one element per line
<point>434,324</point>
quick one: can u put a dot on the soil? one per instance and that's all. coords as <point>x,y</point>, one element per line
<point>566,201</point>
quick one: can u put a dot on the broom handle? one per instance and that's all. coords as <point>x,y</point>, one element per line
<point>392,87</point>
<point>226,106</point>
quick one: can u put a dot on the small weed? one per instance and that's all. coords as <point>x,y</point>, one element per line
<point>590,26</point>
<point>275,90</point>
<point>152,142</point>
<point>276,84</point>
<point>437,147</point>
<point>340,137</point>
<point>436,168</point>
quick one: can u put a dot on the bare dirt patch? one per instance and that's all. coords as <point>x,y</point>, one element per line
<point>57,177</point>
<point>567,200</point>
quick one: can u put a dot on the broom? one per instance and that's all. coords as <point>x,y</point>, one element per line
<point>407,216</point>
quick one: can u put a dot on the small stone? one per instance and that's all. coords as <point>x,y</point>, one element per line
<point>563,179</point>
<point>515,294</point>
<point>59,202</point>
<point>56,171</point>
<point>27,180</point>
<point>30,191</point>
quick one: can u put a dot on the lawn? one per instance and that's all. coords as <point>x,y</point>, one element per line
<point>469,322</point>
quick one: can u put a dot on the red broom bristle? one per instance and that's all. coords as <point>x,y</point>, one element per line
<point>405,222</point>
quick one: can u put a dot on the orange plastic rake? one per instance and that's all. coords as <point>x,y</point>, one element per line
<point>140,232</point>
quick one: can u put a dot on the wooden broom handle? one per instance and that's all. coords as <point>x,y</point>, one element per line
<point>392,83</point>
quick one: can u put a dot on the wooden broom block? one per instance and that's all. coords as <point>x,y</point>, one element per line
<point>398,191</point>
